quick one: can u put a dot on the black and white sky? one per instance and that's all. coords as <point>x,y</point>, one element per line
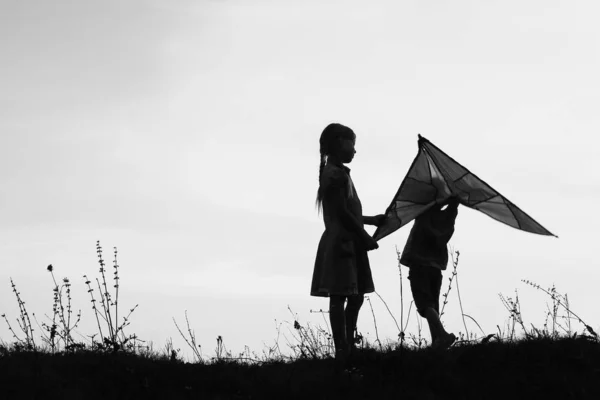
<point>185,133</point>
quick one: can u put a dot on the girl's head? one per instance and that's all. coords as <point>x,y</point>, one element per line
<point>336,145</point>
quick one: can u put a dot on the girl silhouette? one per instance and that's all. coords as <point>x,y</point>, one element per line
<point>342,270</point>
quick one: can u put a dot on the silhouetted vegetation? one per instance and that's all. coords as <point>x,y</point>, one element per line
<point>518,361</point>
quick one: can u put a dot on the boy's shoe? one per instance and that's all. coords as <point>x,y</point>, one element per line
<point>444,341</point>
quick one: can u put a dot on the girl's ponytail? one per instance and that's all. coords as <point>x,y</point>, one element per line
<point>319,202</point>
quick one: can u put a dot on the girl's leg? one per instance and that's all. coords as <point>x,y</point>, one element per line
<point>354,304</point>
<point>338,324</point>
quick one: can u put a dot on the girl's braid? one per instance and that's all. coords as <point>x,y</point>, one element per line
<point>321,167</point>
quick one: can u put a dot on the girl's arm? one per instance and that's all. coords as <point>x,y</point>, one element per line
<point>336,188</point>
<point>375,220</point>
<point>369,220</point>
<point>348,219</point>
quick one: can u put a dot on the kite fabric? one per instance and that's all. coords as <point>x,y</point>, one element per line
<point>433,177</point>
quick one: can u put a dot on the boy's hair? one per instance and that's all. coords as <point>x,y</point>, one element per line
<point>328,142</point>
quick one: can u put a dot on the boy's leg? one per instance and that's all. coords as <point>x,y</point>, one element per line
<point>338,324</point>
<point>443,339</point>
<point>435,325</point>
<point>433,314</point>
<point>420,288</point>
<point>354,304</point>
<point>425,284</point>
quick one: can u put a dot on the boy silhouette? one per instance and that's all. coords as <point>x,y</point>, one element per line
<point>426,256</point>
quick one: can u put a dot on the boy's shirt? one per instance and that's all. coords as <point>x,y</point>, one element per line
<point>428,239</point>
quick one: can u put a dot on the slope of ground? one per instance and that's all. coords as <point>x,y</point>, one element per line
<point>542,368</point>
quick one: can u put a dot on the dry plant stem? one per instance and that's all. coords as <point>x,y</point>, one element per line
<point>508,304</point>
<point>568,315</point>
<point>386,306</point>
<point>476,323</point>
<point>513,307</point>
<point>113,328</point>
<point>408,314</point>
<point>23,321</point>
<point>170,351</point>
<point>556,296</point>
<point>554,310</point>
<point>313,342</point>
<point>103,303</point>
<point>106,299</point>
<point>402,326</point>
<point>59,310</point>
<point>330,345</point>
<point>19,340</point>
<point>419,331</point>
<point>324,319</point>
<point>375,323</point>
<point>126,320</point>
<point>50,340</point>
<point>462,312</point>
<point>93,301</point>
<point>445,295</point>
<point>275,348</point>
<point>58,297</point>
<point>220,351</point>
<point>192,342</point>
<point>116,286</point>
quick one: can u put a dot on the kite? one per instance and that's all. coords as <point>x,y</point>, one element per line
<point>434,177</point>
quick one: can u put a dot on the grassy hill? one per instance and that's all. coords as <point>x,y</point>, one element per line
<point>552,362</point>
<point>564,368</point>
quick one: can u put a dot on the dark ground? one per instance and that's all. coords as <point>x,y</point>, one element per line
<point>532,369</point>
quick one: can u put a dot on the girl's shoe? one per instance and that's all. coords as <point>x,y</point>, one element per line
<point>341,359</point>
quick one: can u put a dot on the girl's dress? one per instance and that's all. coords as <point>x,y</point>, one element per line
<point>342,264</point>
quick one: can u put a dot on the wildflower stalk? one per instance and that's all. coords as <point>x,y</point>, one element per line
<point>455,274</point>
<point>23,321</point>
<point>115,336</point>
<point>192,341</point>
<point>445,295</point>
<point>105,296</point>
<point>116,286</point>
<point>374,323</point>
<point>402,326</point>
<point>93,301</point>
<point>556,297</point>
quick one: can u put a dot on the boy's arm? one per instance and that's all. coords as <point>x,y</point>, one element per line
<point>451,211</point>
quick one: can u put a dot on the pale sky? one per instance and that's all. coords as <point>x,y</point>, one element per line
<point>186,134</point>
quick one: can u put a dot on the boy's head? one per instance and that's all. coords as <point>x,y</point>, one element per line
<point>337,141</point>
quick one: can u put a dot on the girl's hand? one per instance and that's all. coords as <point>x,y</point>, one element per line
<point>370,243</point>
<point>379,220</point>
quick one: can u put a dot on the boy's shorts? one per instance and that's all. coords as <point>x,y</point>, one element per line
<point>425,285</point>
